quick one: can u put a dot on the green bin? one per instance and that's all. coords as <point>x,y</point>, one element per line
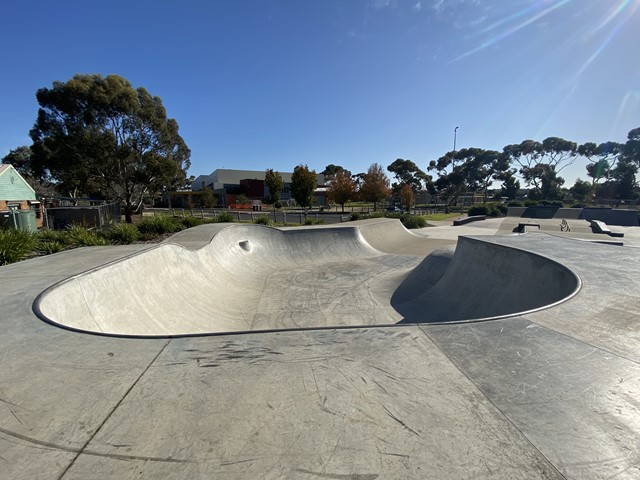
<point>20,219</point>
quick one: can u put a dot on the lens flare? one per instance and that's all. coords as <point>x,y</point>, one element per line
<point>506,34</point>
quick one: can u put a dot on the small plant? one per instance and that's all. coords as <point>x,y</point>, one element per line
<point>122,233</point>
<point>413,221</point>
<point>15,245</point>
<point>78,236</point>
<point>159,225</point>
<point>515,203</point>
<point>355,216</point>
<point>190,222</point>
<point>224,217</point>
<point>48,247</point>
<point>262,220</point>
<point>314,221</point>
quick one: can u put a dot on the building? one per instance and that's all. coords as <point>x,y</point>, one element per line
<point>229,184</point>
<point>17,200</point>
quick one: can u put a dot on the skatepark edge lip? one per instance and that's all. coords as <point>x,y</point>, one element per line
<point>36,307</point>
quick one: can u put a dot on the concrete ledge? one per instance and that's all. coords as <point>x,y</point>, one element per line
<point>473,218</point>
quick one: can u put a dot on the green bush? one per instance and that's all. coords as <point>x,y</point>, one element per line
<point>480,209</point>
<point>48,247</point>
<point>159,225</point>
<point>190,222</point>
<point>52,236</point>
<point>530,203</point>
<point>262,220</point>
<point>122,233</point>
<point>515,203</point>
<point>78,236</point>
<point>224,217</point>
<point>355,216</point>
<point>15,245</point>
<point>314,221</point>
<point>413,221</point>
<point>488,209</point>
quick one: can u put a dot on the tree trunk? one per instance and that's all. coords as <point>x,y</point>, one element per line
<point>128,210</point>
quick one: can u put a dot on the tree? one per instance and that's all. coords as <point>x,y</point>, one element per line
<point>95,132</point>
<point>275,184</point>
<point>330,172</point>
<point>375,185</point>
<point>466,170</point>
<point>342,188</point>
<point>208,198</point>
<point>602,159</point>
<point>408,173</point>
<point>406,197</point>
<point>510,185</point>
<point>303,184</point>
<point>542,162</point>
<point>581,190</point>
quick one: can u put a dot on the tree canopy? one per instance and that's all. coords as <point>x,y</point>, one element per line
<point>275,184</point>
<point>303,184</point>
<point>342,188</point>
<point>375,185</point>
<point>97,133</point>
<point>466,170</point>
<point>408,173</point>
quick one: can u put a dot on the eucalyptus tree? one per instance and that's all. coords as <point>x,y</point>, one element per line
<point>97,133</point>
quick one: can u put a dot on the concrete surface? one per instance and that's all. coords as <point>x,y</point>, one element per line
<point>250,277</point>
<point>551,393</point>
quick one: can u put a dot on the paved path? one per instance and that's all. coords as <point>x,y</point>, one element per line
<point>549,394</point>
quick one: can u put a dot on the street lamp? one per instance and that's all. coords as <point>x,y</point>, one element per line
<point>455,133</point>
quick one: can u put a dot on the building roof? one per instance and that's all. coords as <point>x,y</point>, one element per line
<point>13,186</point>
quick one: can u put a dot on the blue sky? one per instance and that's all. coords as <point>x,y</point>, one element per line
<point>275,83</point>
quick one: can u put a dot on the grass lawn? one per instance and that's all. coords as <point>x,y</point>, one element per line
<point>440,216</point>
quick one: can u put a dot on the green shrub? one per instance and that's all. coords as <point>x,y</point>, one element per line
<point>314,221</point>
<point>78,236</point>
<point>159,225</point>
<point>355,216</point>
<point>480,209</point>
<point>413,221</point>
<point>262,220</point>
<point>224,217</point>
<point>278,205</point>
<point>122,233</point>
<point>48,247</point>
<point>488,209</point>
<point>530,203</point>
<point>190,222</point>
<point>52,236</point>
<point>515,203</point>
<point>15,245</point>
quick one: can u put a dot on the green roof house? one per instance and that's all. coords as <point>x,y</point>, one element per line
<point>16,194</point>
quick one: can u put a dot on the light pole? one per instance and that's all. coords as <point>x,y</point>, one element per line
<point>455,134</point>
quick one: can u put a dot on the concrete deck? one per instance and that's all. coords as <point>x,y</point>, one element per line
<point>550,393</point>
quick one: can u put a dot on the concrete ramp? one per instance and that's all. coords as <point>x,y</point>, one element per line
<point>250,277</point>
<point>485,280</point>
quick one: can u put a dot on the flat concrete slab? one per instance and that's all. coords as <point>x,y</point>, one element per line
<point>548,394</point>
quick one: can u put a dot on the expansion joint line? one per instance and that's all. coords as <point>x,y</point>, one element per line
<point>505,416</point>
<point>111,412</point>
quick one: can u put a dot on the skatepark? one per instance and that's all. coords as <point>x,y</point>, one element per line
<point>355,351</point>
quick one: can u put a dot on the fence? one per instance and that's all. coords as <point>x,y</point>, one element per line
<point>96,216</point>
